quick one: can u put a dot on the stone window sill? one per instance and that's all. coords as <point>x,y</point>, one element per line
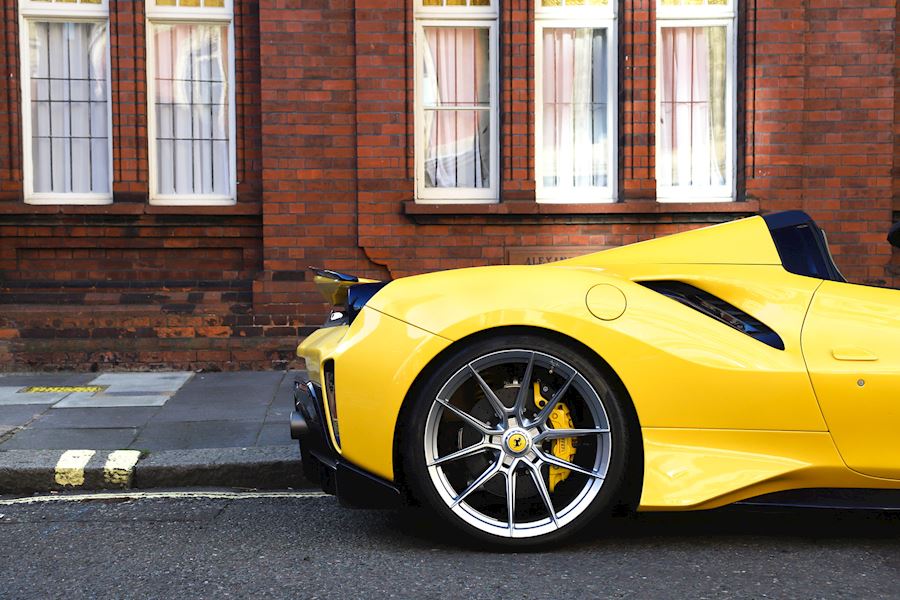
<point>124,205</point>
<point>620,212</point>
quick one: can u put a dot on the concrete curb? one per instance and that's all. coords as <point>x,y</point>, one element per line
<point>266,467</point>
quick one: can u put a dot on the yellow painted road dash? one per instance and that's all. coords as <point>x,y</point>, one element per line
<point>70,467</point>
<point>62,389</point>
<point>120,466</point>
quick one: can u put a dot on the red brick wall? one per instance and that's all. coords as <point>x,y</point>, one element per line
<point>894,267</point>
<point>10,124</point>
<point>131,284</point>
<point>815,96</point>
<point>325,158</point>
<point>309,125</point>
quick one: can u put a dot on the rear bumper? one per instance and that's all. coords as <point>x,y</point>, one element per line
<point>323,465</point>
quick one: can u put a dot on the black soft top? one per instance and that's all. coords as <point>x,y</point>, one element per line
<point>801,245</point>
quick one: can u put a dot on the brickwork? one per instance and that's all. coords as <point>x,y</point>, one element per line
<point>130,284</point>
<point>326,176</point>
<point>894,267</point>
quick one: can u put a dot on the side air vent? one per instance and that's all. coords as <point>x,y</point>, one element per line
<point>718,309</point>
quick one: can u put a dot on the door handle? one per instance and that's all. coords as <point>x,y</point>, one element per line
<point>852,353</point>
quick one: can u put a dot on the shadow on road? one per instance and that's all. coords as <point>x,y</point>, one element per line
<point>731,523</point>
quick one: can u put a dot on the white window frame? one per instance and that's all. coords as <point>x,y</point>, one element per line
<point>452,16</point>
<point>173,15</point>
<point>702,16</point>
<point>580,17</point>
<point>440,13</point>
<point>59,12</point>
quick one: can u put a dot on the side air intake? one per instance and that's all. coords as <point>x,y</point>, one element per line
<point>716,308</point>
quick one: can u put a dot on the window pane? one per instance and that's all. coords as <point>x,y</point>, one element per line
<point>455,66</point>
<point>192,113</point>
<point>69,109</point>
<point>695,2</point>
<point>549,3</point>
<point>190,3</point>
<point>457,144</point>
<point>575,95</point>
<point>455,73</point>
<point>456,2</point>
<point>692,128</point>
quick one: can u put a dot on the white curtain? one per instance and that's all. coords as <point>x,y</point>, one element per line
<point>575,149</point>
<point>456,101</point>
<point>69,108</point>
<point>692,125</point>
<point>191,103</point>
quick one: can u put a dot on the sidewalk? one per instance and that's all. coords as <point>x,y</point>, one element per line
<point>143,430</point>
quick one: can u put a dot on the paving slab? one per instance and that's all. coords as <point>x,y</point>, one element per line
<point>20,414</point>
<point>87,418</point>
<point>283,402</point>
<point>105,400</point>
<point>143,382</point>
<point>48,379</point>
<point>63,439</point>
<point>274,434</point>
<point>228,388</point>
<point>12,395</point>
<point>225,411</point>
<point>197,434</point>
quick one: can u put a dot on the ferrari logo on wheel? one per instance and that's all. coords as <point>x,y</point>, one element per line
<point>517,442</point>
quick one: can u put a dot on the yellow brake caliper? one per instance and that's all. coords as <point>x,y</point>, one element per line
<point>563,448</point>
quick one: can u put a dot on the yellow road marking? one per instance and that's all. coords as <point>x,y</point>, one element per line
<point>62,389</point>
<point>119,466</point>
<point>159,495</point>
<point>70,467</point>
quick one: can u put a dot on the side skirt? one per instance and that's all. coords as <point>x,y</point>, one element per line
<point>843,499</point>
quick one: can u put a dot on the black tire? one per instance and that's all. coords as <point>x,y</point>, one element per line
<point>624,439</point>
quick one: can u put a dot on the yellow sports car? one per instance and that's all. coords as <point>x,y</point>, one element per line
<point>519,403</point>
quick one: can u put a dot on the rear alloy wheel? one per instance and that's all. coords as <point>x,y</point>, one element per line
<point>518,443</point>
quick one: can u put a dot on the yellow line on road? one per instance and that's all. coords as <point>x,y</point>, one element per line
<point>187,495</point>
<point>70,467</point>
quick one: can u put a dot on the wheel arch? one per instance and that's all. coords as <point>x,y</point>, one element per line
<point>632,493</point>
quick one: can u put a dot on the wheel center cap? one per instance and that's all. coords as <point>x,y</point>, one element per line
<point>517,442</point>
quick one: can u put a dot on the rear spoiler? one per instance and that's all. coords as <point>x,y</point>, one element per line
<point>333,285</point>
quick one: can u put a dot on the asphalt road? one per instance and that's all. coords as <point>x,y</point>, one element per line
<point>312,548</point>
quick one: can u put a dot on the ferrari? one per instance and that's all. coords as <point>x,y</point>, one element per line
<point>520,404</point>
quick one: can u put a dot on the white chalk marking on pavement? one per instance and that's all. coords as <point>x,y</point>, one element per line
<point>70,467</point>
<point>119,466</point>
<point>160,495</point>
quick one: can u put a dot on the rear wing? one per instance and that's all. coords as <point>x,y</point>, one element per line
<point>334,286</point>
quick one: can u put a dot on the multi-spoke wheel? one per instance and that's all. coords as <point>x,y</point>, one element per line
<point>518,441</point>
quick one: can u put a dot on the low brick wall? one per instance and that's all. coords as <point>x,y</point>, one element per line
<point>50,338</point>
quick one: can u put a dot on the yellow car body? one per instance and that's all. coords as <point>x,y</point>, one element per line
<point>723,417</point>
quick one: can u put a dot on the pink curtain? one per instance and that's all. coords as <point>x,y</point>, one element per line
<point>456,97</point>
<point>575,150</point>
<point>191,104</point>
<point>69,112</point>
<point>692,124</point>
